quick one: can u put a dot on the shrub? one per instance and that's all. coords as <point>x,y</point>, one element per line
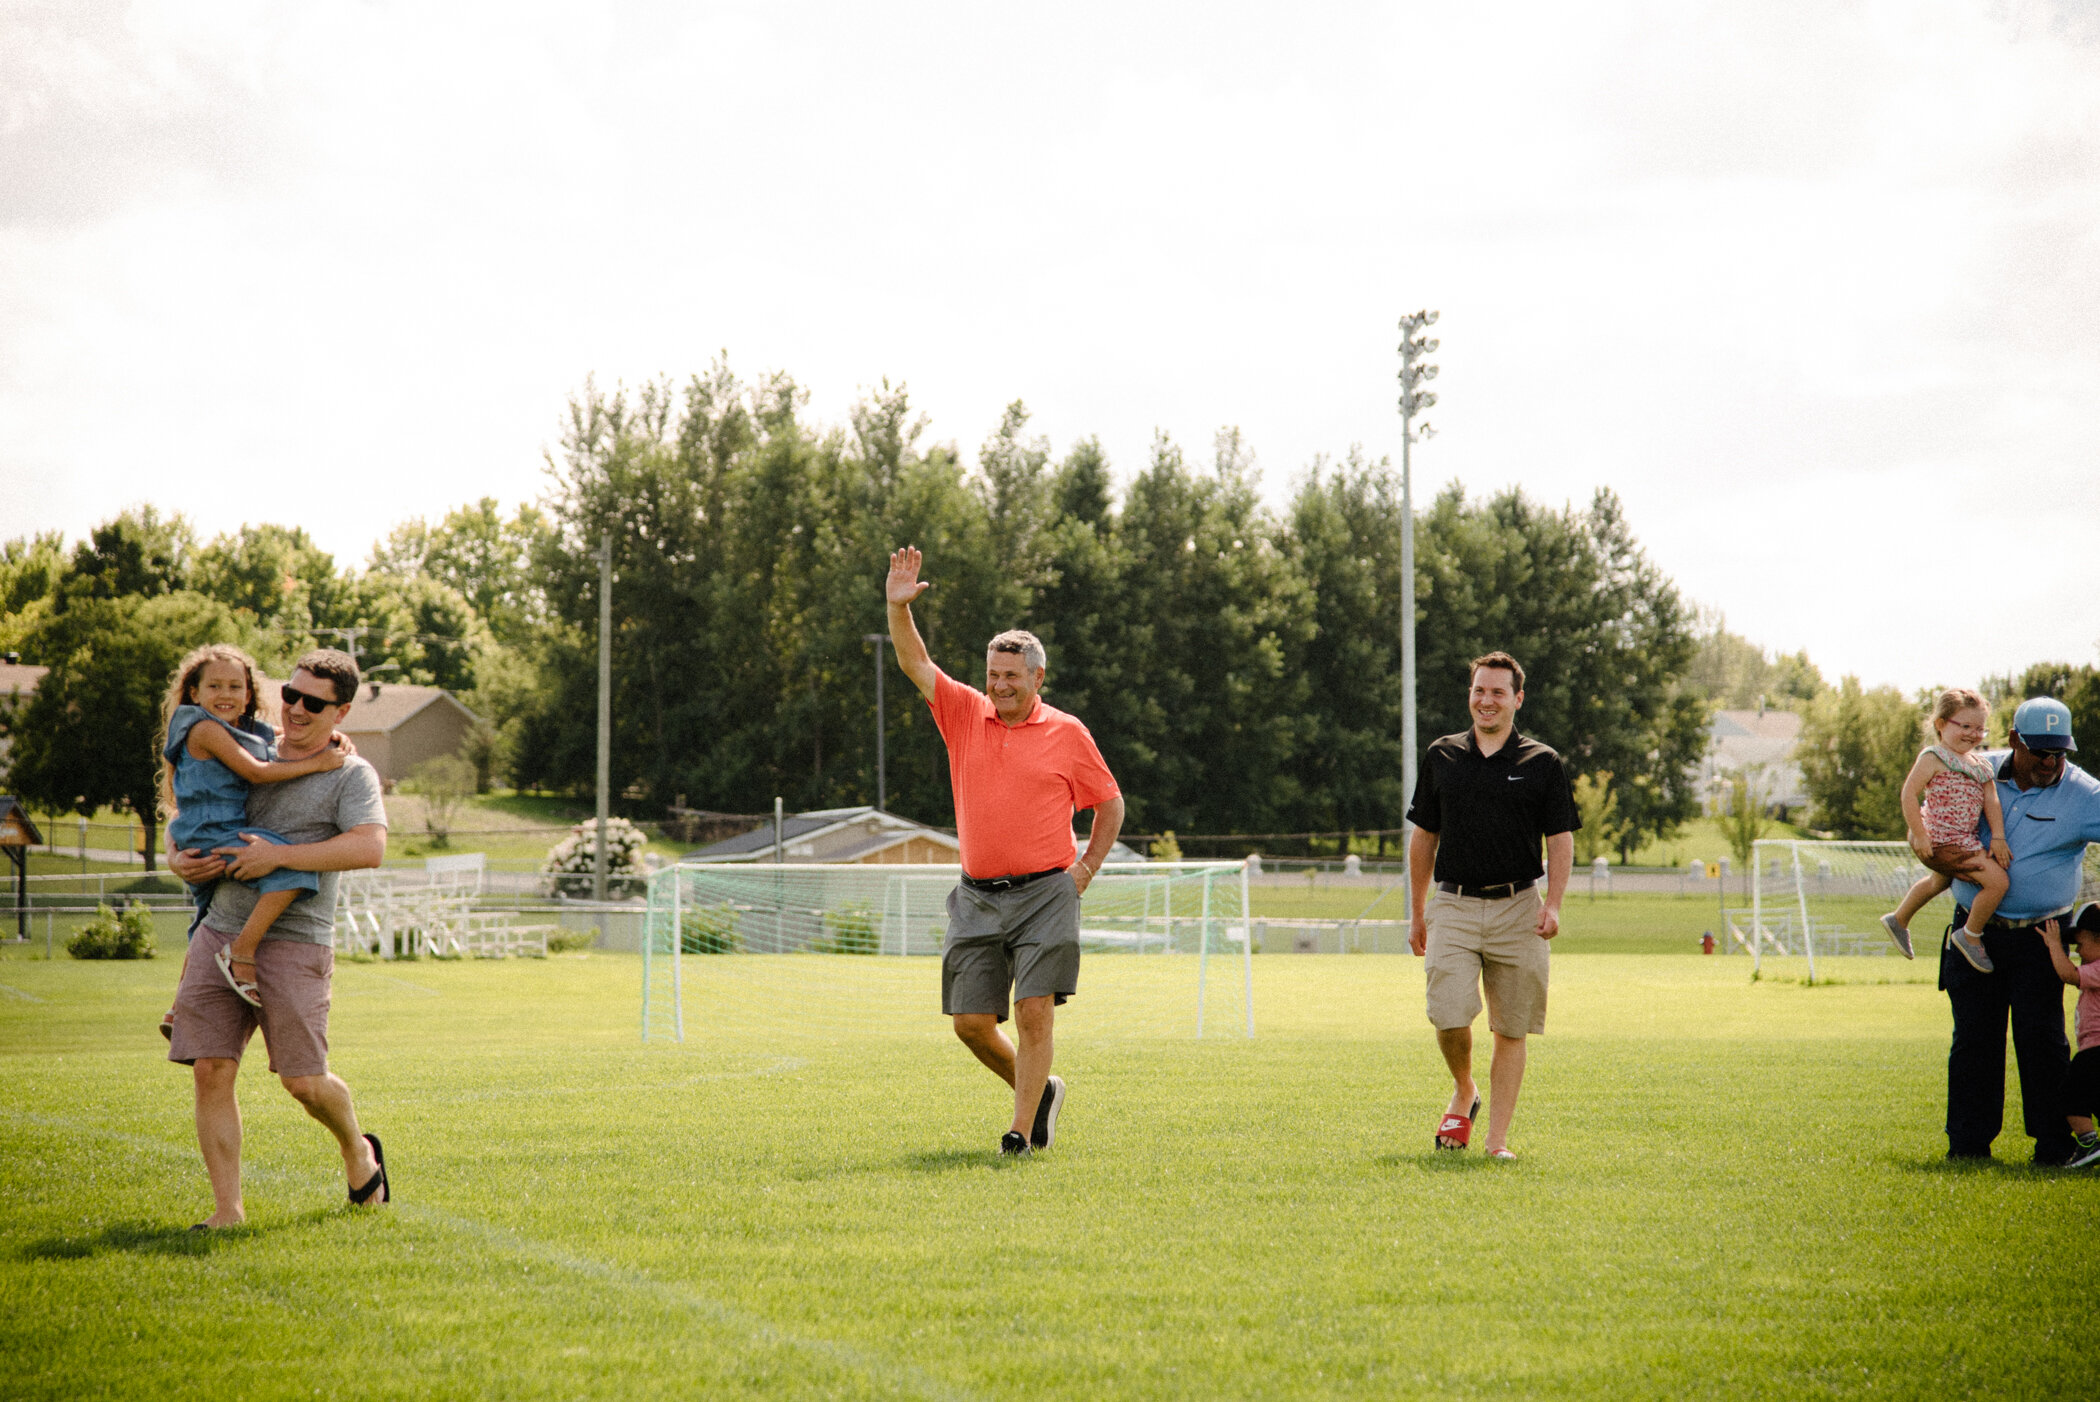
<point>113,936</point>
<point>569,865</point>
<point>443,784</point>
<point>710,929</point>
<point>850,930</point>
<point>571,939</point>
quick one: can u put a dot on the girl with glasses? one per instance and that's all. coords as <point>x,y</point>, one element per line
<point>1948,788</point>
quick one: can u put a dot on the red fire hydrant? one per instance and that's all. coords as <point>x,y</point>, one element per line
<point>1706,942</point>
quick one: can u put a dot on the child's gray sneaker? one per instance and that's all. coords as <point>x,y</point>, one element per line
<point>1971,949</point>
<point>1900,935</point>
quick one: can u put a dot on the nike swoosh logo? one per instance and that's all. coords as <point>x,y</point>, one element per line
<point>1514,778</point>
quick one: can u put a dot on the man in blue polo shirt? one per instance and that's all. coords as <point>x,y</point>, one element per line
<point>2052,809</point>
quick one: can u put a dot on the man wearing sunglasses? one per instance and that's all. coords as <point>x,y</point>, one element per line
<point>2052,810</point>
<point>335,821</point>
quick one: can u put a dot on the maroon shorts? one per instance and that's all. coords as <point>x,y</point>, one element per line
<point>294,979</point>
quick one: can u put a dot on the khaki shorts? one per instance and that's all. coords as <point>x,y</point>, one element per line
<point>1475,942</point>
<point>293,980</point>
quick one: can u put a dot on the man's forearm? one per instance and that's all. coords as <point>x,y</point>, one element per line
<point>1108,825</point>
<point>911,649</point>
<point>1421,868</point>
<point>347,851</point>
<point>1560,862</point>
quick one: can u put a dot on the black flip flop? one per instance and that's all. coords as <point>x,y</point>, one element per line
<point>377,1182</point>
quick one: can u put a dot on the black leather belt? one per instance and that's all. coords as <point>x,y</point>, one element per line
<point>1007,883</point>
<point>1486,893</point>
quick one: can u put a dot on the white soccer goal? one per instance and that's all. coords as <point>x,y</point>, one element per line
<point>815,949</point>
<point>1827,897</point>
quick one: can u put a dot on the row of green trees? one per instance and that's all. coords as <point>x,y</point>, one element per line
<point>1239,665</point>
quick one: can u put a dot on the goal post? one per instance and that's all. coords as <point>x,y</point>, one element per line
<point>853,945</point>
<point>1827,897</point>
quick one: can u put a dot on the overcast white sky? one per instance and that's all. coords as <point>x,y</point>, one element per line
<point>1814,286</point>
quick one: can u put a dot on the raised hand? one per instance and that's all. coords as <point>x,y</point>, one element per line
<point>904,583</point>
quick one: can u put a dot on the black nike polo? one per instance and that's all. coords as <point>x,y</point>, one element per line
<point>1491,812</point>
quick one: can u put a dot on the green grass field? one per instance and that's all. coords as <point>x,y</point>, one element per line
<point>1726,1188</point>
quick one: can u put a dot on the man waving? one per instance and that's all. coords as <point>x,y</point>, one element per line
<point>1020,769</point>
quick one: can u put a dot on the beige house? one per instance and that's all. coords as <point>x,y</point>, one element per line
<point>1762,743</point>
<point>397,726</point>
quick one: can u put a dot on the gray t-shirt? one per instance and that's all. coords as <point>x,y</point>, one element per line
<point>311,809</point>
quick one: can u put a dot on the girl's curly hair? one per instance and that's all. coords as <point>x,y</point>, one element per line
<point>182,691</point>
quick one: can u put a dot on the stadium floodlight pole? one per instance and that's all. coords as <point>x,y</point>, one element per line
<point>598,861</point>
<point>1413,401</point>
<point>882,772</point>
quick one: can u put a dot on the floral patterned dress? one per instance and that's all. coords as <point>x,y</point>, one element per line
<point>1953,798</point>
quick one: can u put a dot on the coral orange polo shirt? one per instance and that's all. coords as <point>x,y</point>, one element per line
<point>1016,787</point>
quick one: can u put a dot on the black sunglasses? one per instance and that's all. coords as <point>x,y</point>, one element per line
<point>293,696</point>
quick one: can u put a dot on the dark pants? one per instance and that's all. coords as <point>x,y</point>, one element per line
<point>2024,987</point>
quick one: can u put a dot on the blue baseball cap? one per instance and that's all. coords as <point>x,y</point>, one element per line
<point>2044,723</point>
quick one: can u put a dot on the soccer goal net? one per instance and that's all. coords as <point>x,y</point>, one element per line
<point>814,950</point>
<point>1811,899</point>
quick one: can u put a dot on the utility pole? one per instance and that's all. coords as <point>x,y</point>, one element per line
<point>598,866</point>
<point>882,771</point>
<point>1413,400</point>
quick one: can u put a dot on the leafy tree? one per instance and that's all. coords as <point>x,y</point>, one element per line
<point>1344,536</point>
<point>1599,808</point>
<point>1601,633</point>
<point>420,629</point>
<point>31,568</point>
<point>90,739</point>
<point>443,784</point>
<point>1211,715</point>
<point>1734,673</point>
<point>136,552</point>
<point>1745,822</point>
<point>1856,746</point>
<point>487,559</point>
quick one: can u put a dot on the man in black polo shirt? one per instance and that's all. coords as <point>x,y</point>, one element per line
<point>1484,800</point>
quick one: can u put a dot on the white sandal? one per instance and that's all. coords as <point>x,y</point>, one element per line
<point>250,994</point>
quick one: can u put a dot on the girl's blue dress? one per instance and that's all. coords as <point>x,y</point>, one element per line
<point>211,802</point>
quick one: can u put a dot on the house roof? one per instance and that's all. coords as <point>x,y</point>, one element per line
<point>853,832</point>
<point>386,706</point>
<point>881,829</point>
<point>20,677</point>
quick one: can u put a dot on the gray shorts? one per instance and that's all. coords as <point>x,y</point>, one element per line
<point>293,979</point>
<point>1026,940</point>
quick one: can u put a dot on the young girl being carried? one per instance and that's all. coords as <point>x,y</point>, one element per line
<point>215,748</point>
<point>1949,787</point>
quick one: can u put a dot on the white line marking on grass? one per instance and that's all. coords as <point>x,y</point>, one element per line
<point>900,1377</point>
<point>883,1372</point>
<point>11,991</point>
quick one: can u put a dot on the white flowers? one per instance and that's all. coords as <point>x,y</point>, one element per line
<point>573,861</point>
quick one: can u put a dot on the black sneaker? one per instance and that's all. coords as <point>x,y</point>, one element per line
<point>2085,1151</point>
<point>1045,1132</point>
<point>1013,1146</point>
